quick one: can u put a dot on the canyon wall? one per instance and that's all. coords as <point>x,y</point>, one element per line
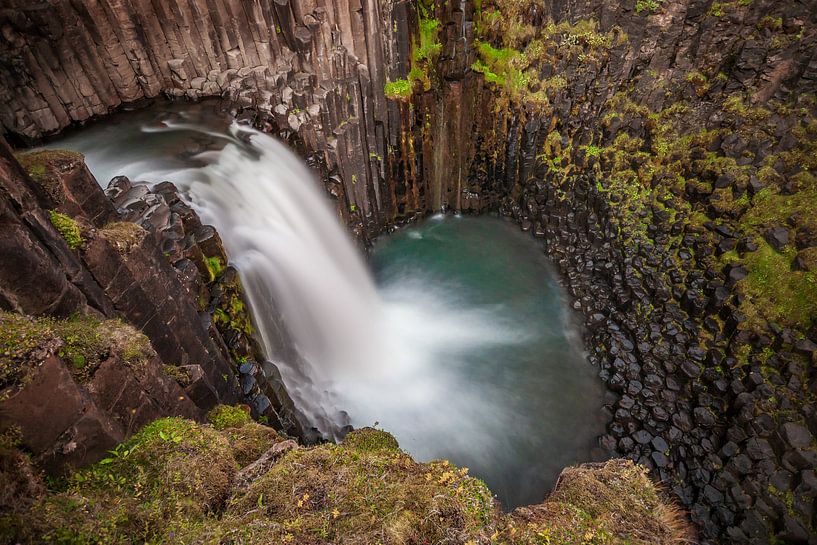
<point>116,310</point>
<point>314,67</point>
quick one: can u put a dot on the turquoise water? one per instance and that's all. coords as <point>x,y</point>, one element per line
<point>499,381</point>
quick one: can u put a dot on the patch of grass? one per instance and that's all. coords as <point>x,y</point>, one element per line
<point>429,46</point>
<point>215,266</point>
<point>371,440</point>
<point>177,373</point>
<point>601,505</point>
<point>716,9</point>
<point>173,483</point>
<point>123,235</point>
<point>68,228</point>
<point>232,313</point>
<point>776,293</point>
<point>82,342</point>
<point>250,441</point>
<point>44,166</point>
<point>228,416</point>
<point>647,5</point>
<point>172,472</point>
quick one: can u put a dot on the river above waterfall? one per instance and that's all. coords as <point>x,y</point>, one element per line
<point>456,338</point>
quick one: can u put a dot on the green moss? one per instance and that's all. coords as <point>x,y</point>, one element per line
<point>716,9</point>
<point>227,416</point>
<point>774,292</point>
<point>398,90</point>
<point>592,151</point>
<point>172,483</point>
<point>429,46</point>
<point>171,473</point>
<point>250,441</point>
<point>68,228</point>
<point>334,494</point>
<point>215,266</point>
<point>232,313</point>
<point>371,440</point>
<point>176,373</point>
<point>82,342</point>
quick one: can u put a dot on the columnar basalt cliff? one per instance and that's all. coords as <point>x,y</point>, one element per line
<point>664,150</point>
<point>84,265</point>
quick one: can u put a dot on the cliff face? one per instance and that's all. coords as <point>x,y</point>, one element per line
<point>80,261</point>
<point>316,68</point>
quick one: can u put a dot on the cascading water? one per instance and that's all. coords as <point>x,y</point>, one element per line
<point>470,362</point>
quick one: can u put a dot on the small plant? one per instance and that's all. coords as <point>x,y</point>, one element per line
<point>716,9</point>
<point>592,151</point>
<point>398,90</point>
<point>215,266</point>
<point>68,228</point>
<point>647,5</point>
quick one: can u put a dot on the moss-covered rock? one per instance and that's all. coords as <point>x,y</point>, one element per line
<point>250,441</point>
<point>81,341</point>
<point>176,482</point>
<point>44,166</point>
<point>170,474</point>
<point>371,440</point>
<point>68,228</point>
<point>614,502</point>
<point>227,416</point>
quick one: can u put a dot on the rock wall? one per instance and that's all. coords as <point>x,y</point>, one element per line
<point>313,67</point>
<point>659,148</point>
<point>70,253</point>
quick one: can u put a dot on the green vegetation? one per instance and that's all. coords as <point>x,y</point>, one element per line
<point>215,266</point>
<point>123,235</point>
<point>228,416</point>
<point>371,440</point>
<point>514,65</point>
<point>716,9</point>
<point>647,5</point>
<point>775,292</point>
<point>82,342</point>
<point>175,482</point>
<point>151,487</point>
<point>249,441</point>
<point>68,228</point>
<point>398,90</point>
<point>232,313</point>
<point>176,373</point>
<point>44,166</point>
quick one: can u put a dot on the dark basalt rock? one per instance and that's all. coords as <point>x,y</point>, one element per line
<point>777,237</point>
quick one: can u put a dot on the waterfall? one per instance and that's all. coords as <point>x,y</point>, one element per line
<point>313,298</point>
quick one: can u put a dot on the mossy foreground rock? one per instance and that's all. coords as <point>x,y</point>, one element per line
<point>179,482</point>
